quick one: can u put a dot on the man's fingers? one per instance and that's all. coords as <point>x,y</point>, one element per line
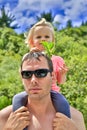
<point>21,109</point>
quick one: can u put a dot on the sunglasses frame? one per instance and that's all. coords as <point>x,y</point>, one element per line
<point>37,73</point>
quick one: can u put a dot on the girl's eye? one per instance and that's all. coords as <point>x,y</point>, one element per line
<point>47,37</point>
<point>38,37</point>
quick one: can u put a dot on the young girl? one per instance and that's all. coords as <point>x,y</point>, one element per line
<point>43,31</point>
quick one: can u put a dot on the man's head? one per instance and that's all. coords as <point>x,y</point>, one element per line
<point>41,31</point>
<point>36,54</point>
<point>37,74</point>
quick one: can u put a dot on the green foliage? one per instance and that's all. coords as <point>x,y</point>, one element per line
<point>4,101</point>
<point>9,78</point>
<point>10,41</point>
<point>72,47</point>
<point>48,16</point>
<point>49,47</point>
<point>69,24</point>
<point>12,48</point>
<point>71,44</point>
<point>7,19</point>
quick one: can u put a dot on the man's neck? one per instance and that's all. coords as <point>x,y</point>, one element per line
<point>43,106</point>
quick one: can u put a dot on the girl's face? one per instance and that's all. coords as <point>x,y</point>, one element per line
<point>41,33</point>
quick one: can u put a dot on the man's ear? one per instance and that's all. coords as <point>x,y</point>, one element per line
<point>20,73</point>
<point>21,76</point>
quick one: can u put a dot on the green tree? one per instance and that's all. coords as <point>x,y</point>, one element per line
<point>70,43</point>
<point>11,41</point>
<point>48,16</point>
<point>6,20</point>
<point>69,24</point>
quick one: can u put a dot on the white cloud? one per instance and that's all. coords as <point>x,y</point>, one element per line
<point>38,5</point>
<point>77,23</point>
<point>26,21</point>
<point>74,9</point>
<point>60,18</point>
<point>1,1</point>
<point>63,10</point>
<point>0,14</point>
<point>26,5</point>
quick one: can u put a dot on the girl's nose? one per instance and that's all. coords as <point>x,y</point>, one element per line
<point>43,39</point>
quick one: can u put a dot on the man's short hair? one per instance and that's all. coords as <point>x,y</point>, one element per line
<point>37,54</point>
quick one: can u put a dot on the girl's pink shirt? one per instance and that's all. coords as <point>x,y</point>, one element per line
<point>55,87</point>
<point>58,63</point>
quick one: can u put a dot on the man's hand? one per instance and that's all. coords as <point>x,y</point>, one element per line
<point>18,120</point>
<point>62,122</point>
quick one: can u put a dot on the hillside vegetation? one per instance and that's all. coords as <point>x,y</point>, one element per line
<point>71,44</point>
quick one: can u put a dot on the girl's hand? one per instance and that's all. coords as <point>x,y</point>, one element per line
<point>63,71</point>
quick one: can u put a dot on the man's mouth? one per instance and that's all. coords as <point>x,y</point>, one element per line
<point>35,90</point>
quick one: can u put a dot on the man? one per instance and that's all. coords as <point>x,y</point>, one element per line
<point>39,112</point>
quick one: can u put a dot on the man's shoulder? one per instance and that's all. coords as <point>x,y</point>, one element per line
<point>5,112</point>
<point>75,112</point>
<point>78,118</point>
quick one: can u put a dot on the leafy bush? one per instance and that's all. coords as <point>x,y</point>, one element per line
<point>71,44</point>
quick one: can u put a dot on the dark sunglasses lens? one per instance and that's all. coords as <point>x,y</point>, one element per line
<point>26,74</point>
<point>41,73</point>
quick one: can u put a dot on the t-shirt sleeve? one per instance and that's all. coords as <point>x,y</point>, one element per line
<point>58,63</point>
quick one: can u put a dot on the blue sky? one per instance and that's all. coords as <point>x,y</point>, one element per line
<point>26,11</point>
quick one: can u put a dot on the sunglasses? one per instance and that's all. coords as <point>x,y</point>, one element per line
<point>39,73</point>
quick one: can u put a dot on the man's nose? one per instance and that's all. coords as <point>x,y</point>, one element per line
<point>33,79</point>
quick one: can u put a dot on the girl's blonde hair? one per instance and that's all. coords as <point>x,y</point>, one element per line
<point>42,22</point>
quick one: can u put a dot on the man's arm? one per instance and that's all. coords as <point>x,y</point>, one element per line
<point>17,120</point>
<point>4,114</point>
<point>62,122</point>
<point>78,119</point>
